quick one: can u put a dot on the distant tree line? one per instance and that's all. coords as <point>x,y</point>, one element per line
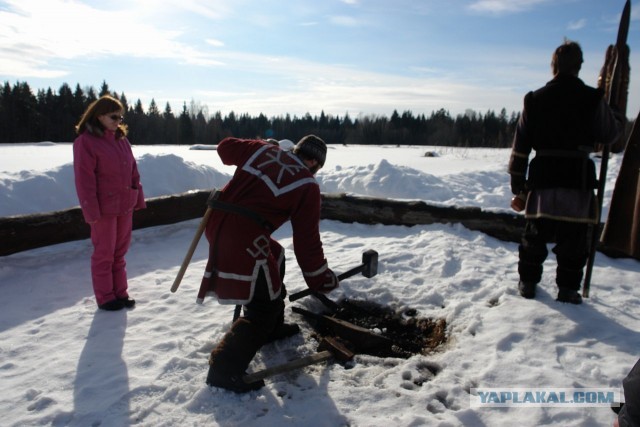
<point>52,116</point>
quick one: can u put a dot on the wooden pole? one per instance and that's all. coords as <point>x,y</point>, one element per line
<point>191,250</point>
<point>615,98</point>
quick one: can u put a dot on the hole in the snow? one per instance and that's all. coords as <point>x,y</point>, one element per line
<point>380,331</point>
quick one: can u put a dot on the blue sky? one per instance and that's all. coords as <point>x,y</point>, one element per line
<point>361,57</point>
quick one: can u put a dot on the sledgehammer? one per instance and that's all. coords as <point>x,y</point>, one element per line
<point>329,347</point>
<point>368,268</point>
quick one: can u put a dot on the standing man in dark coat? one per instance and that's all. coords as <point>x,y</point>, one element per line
<point>562,121</point>
<point>629,415</point>
<point>246,265</point>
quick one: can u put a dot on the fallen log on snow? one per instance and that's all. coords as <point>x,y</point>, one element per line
<point>367,210</point>
<point>23,232</point>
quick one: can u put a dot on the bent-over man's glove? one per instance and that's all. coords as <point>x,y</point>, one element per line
<point>324,282</point>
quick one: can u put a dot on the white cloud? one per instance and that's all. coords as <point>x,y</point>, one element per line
<point>33,33</point>
<point>504,6</point>
<point>52,38</point>
<point>210,9</point>
<point>213,42</point>
<point>314,87</point>
<point>577,25</point>
<point>344,21</point>
<point>19,66</point>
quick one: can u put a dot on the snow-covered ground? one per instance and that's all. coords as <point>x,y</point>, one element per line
<point>63,362</point>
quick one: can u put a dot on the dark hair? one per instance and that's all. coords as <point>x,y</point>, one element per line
<point>311,147</point>
<point>104,105</point>
<point>567,58</point>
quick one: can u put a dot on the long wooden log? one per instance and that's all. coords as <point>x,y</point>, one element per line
<point>367,210</point>
<point>25,232</point>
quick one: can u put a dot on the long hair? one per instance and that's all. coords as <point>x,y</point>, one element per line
<point>104,105</point>
<point>567,58</point>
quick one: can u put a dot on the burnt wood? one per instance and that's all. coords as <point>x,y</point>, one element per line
<point>362,339</point>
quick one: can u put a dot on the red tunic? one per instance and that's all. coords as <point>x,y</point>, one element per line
<point>276,185</point>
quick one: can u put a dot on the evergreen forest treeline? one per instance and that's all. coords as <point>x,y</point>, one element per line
<point>51,116</point>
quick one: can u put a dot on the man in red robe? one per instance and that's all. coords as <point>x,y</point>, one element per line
<point>246,266</point>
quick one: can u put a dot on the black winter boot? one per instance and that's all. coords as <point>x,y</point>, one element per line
<point>569,295</point>
<point>527,290</point>
<point>231,357</point>
<point>128,302</point>
<point>113,305</point>
<point>232,382</point>
<point>282,331</point>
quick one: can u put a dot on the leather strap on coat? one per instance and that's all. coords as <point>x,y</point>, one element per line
<point>214,203</point>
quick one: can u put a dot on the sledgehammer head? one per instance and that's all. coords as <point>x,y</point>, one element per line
<point>369,263</point>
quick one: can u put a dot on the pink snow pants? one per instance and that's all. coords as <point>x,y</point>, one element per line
<point>111,237</point>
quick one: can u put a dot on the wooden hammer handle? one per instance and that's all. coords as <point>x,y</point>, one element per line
<point>191,250</point>
<point>345,275</point>
<point>289,366</point>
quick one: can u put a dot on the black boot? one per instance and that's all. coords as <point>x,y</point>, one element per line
<point>113,305</point>
<point>231,357</point>
<point>527,290</point>
<point>569,295</point>
<point>128,302</point>
<point>284,330</point>
<point>232,382</point>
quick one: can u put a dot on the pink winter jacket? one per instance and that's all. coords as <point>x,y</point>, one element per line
<point>106,176</point>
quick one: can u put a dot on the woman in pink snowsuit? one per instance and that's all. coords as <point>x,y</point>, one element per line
<point>109,190</point>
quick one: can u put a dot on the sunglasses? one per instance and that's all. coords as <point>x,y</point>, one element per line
<point>116,117</point>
